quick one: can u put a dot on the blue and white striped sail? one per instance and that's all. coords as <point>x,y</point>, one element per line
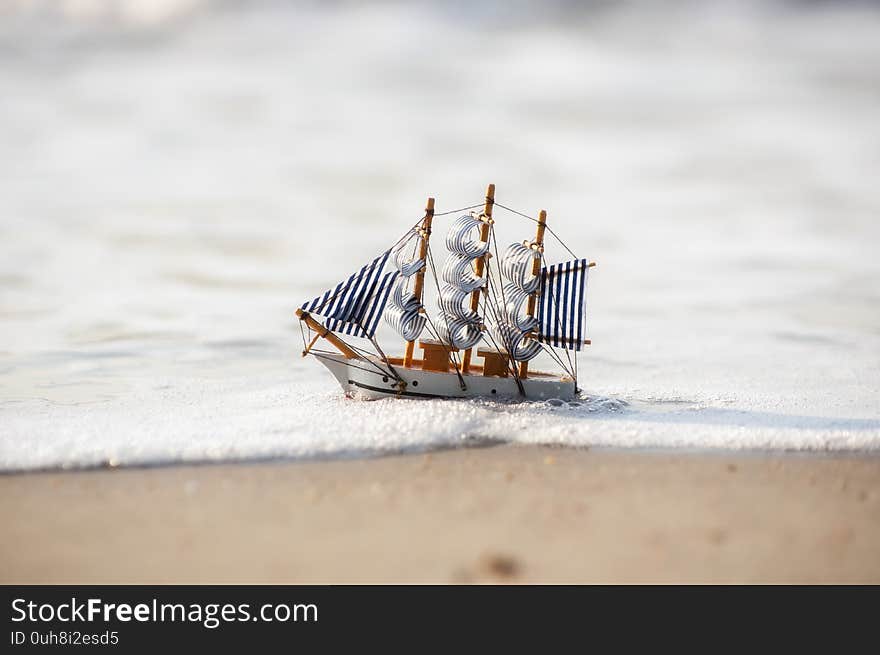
<point>562,304</point>
<point>354,306</point>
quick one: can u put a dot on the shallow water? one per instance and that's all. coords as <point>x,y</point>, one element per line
<point>177,177</point>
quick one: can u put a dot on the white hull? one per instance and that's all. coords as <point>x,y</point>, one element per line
<point>363,380</point>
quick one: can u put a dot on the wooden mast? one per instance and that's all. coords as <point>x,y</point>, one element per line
<point>536,270</point>
<point>419,284</point>
<point>480,264</point>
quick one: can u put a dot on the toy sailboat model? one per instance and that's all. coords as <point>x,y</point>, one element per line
<point>509,312</point>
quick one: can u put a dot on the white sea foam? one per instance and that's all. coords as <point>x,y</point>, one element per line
<point>174,183</point>
<point>271,417</point>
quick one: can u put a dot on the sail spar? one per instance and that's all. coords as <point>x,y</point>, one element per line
<point>354,306</point>
<point>562,304</point>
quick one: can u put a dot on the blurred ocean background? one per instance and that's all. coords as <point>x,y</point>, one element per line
<point>177,176</point>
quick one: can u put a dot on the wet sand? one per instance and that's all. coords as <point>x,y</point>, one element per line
<point>498,514</point>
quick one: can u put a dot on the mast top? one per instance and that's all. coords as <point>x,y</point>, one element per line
<point>490,199</point>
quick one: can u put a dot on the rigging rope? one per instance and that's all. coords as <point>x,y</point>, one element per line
<point>455,211</point>
<point>546,227</point>
<point>303,333</point>
<point>329,355</point>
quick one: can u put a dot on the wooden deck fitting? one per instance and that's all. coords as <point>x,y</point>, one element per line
<point>436,355</point>
<point>495,363</point>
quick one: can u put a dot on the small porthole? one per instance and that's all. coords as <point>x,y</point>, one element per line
<point>385,378</point>
<point>494,390</point>
<point>415,383</point>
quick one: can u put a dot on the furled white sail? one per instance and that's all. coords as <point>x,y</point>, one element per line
<point>511,328</point>
<point>516,302</point>
<point>459,333</point>
<point>463,237</point>
<point>459,325</point>
<point>402,312</point>
<point>458,271</point>
<point>516,266</point>
<point>453,303</point>
<point>404,255</point>
<point>517,343</point>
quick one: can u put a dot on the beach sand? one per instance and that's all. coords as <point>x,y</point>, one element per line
<point>494,514</point>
